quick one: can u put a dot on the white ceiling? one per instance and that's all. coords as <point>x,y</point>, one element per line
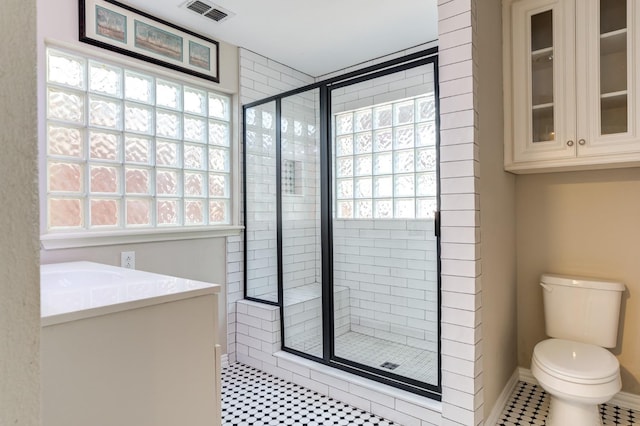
<point>315,37</point>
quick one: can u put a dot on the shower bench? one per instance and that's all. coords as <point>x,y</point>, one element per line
<point>303,315</point>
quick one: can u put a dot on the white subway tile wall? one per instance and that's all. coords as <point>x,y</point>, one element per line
<point>235,289</point>
<point>392,278</point>
<point>461,302</point>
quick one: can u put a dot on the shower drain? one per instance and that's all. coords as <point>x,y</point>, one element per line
<point>389,365</point>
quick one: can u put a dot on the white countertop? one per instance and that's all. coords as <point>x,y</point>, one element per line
<point>75,290</point>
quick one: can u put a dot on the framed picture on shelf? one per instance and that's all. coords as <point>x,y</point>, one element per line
<point>123,29</point>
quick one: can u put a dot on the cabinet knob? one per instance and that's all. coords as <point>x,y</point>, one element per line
<point>569,143</point>
<point>582,142</point>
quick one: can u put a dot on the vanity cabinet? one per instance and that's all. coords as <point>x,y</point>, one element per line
<point>571,73</point>
<point>122,347</point>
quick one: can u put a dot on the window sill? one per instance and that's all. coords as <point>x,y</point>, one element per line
<point>93,239</point>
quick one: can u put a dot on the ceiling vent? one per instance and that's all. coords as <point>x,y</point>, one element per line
<point>209,10</point>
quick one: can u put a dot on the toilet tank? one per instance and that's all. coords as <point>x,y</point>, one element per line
<point>582,309</point>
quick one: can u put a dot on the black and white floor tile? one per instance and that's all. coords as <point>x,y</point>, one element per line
<point>529,405</point>
<point>251,397</point>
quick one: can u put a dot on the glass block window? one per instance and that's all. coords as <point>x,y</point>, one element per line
<point>385,161</point>
<point>127,149</point>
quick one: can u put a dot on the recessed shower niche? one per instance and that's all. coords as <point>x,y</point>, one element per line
<point>341,204</point>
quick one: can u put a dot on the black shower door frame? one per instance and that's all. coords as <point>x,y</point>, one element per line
<point>325,88</point>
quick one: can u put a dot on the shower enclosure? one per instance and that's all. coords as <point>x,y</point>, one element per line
<point>341,215</point>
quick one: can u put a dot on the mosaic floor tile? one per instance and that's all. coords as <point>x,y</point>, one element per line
<point>529,405</point>
<point>251,397</point>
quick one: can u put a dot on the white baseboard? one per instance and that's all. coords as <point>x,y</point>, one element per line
<point>621,399</point>
<point>224,360</point>
<point>626,400</point>
<point>503,399</point>
<point>526,375</point>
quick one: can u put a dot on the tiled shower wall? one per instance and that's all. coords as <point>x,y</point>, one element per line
<point>389,267</point>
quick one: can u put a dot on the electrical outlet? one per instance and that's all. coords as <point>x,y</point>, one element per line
<point>128,259</point>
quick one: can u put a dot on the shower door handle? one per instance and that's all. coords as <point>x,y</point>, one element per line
<point>436,223</point>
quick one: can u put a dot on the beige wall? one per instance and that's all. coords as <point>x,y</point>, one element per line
<point>580,223</point>
<point>199,259</point>
<point>19,270</point>
<point>192,259</point>
<point>497,212</point>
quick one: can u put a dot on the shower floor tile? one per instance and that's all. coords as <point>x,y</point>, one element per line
<point>529,405</point>
<point>406,361</point>
<point>251,397</point>
<point>403,360</point>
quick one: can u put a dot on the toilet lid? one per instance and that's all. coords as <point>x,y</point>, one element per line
<point>576,360</point>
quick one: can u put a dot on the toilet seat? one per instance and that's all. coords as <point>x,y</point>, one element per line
<point>576,362</point>
<point>558,371</point>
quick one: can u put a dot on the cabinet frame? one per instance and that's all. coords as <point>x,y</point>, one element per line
<point>578,144</point>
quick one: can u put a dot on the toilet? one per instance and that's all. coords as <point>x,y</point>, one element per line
<point>581,317</point>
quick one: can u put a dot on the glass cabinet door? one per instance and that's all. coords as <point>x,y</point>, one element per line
<point>542,50</point>
<point>613,67</point>
<point>542,123</point>
<point>607,104</point>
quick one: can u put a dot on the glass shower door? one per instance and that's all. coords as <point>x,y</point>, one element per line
<point>341,202</point>
<point>261,195</point>
<point>385,252</point>
<point>301,235</point>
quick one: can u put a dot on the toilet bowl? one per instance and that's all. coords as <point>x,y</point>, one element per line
<point>578,377</point>
<point>581,318</point>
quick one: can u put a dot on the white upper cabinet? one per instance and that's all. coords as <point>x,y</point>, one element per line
<point>571,73</point>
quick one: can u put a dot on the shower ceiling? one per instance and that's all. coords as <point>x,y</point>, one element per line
<point>315,37</point>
